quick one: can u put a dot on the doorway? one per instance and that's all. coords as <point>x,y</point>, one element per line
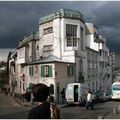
<point>75,93</point>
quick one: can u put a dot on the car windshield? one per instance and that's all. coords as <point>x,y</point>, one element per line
<point>116,87</point>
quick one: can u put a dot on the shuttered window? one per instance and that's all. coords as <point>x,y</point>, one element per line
<point>46,71</point>
<point>50,70</point>
<point>70,70</point>
<point>31,71</point>
<point>42,71</point>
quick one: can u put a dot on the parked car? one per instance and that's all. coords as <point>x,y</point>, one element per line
<point>101,96</point>
<point>107,97</point>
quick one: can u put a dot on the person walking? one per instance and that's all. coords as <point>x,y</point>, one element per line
<point>27,96</point>
<point>42,111</point>
<point>63,95</point>
<point>54,109</point>
<point>89,100</point>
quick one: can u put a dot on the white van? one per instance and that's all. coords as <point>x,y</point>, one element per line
<point>76,93</point>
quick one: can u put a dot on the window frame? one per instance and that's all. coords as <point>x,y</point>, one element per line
<point>31,71</point>
<point>70,70</point>
<point>71,35</point>
<point>48,30</point>
<point>46,71</point>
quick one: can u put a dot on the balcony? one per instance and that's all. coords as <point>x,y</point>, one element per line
<point>102,39</point>
<point>99,38</point>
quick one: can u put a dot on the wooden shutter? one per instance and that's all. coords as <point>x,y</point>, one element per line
<point>29,70</point>
<point>68,70</point>
<point>50,70</point>
<point>32,71</point>
<point>42,71</point>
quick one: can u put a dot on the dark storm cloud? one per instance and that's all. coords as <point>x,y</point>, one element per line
<point>107,18</point>
<point>20,18</point>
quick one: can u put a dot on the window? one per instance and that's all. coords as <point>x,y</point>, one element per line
<point>47,48</point>
<point>96,85</point>
<point>31,70</point>
<point>71,35</point>
<point>82,36</point>
<point>21,69</point>
<point>21,52</point>
<point>100,53</point>
<point>37,47</point>
<point>116,87</point>
<point>46,71</point>
<point>70,70</point>
<point>48,30</point>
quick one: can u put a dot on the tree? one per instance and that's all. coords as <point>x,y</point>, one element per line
<point>3,74</point>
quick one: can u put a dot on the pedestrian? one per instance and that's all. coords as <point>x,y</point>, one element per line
<point>32,99</point>
<point>42,110</point>
<point>63,95</point>
<point>54,109</point>
<point>27,95</point>
<point>89,100</point>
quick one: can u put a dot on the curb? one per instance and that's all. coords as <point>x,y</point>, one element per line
<point>29,105</point>
<point>24,104</point>
<point>21,103</point>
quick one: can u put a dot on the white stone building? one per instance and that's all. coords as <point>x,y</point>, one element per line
<point>13,72</point>
<point>62,45</point>
<point>26,53</point>
<point>65,50</point>
<point>100,62</point>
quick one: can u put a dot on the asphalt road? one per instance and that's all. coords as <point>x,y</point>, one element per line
<point>101,110</point>
<point>10,109</point>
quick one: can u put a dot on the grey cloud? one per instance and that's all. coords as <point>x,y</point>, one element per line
<point>20,18</point>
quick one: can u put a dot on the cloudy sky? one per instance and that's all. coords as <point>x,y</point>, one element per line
<point>20,18</point>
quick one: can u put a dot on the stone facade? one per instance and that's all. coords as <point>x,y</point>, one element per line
<point>65,50</point>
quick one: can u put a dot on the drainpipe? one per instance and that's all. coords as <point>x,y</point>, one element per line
<point>75,68</point>
<point>75,73</point>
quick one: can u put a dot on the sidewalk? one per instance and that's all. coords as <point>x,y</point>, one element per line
<point>35,103</point>
<point>25,103</point>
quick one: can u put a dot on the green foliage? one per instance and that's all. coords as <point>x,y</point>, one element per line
<point>3,74</point>
<point>3,64</point>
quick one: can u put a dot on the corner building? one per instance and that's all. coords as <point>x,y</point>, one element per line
<point>61,55</point>
<point>65,50</point>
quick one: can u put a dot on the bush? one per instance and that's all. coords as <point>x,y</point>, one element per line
<point>17,95</point>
